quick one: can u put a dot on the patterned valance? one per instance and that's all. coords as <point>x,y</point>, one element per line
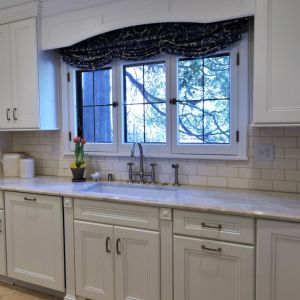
<point>145,41</point>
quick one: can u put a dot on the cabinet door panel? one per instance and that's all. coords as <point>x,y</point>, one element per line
<point>276,90</point>
<point>2,244</point>
<point>34,235</point>
<point>5,79</point>
<point>25,73</point>
<point>137,266</point>
<point>278,260</point>
<point>226,273</point>
<point>94,264</point>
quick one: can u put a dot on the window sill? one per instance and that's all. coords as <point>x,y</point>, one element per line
<point>167,156</point>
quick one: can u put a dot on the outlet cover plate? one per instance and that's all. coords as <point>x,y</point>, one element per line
<point>264,152</point>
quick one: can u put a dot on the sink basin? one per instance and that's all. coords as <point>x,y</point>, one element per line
<point>130,189</point>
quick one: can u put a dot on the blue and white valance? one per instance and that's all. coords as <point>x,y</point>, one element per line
<point>145,41</point>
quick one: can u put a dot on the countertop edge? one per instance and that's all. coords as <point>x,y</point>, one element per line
<point>218,210</point>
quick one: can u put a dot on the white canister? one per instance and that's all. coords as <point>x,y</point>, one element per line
<point>27,167</point>
<point>11,164</point>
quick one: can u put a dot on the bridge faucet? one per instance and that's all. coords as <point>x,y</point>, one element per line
<point>141,159</point>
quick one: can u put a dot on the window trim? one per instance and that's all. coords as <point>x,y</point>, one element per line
<point>119,148</point>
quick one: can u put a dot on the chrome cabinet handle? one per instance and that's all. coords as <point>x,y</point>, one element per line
<point>107,241</point>
<point>118,246</point>
<point>0,226</point>
<point>219,226</point>
<point>14,114</point>
<point>29,199</point>
<point>8,114</point>
<point>203,247</point>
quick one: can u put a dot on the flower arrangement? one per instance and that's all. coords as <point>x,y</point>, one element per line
<point>79,153</point>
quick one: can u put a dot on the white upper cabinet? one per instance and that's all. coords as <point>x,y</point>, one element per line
<point>24,74</point>
<point>5,78</point>
<point>276,95</point>
<point>28,79</point>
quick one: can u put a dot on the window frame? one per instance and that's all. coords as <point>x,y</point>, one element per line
<point>170,149</point>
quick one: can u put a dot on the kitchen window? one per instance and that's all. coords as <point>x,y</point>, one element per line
<point>175,106</point>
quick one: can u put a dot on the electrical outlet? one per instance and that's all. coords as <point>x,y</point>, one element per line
<point>264,152</point>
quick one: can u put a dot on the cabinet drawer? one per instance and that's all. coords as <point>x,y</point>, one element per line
<point>117,214</point>
<point>215,226</point>
<point>18,196</point>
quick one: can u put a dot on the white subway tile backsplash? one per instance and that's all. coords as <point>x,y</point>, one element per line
<point>227,172</point>
<point>272,174</point>
<point>285,186</point>
<point>281,174</point>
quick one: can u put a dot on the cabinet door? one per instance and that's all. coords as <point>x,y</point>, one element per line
<point>137,264</point>
<point>5,79</point>
<point>24,73</point>
<point>34,236</point>
<point>205,269</point>
<point>94,261</point>
<point>278,260</point>
<point>276,94</point>
<point>2,244</point>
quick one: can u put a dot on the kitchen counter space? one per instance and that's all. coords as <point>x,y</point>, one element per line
<point>271,205</point>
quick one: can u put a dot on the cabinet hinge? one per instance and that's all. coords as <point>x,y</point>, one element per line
<point>237,59</point>
<point>70,136</point>
<point>237,136</point>
<point>68,77</point>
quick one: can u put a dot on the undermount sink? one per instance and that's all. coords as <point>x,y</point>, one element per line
<point>129,189</point>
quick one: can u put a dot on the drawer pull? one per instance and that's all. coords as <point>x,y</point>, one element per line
<point>0,226</point>
<point>211,249</point>
<point>107,241</point>
<point>8,114</point>
<point>15,114</point>
<point>204,225</point>
<point>29,199</point>
<point>118,246</point>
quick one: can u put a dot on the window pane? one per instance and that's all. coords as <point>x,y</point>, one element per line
<point>102,86</point>
<point>145,103</point>
<point>95,118</point>
<point>103,124</point>
<point>207,121</point>
<point>134,84</point>
<point>217,77</point>
<point>216,122</point>
<point>155,82</point>
<point>190,79</point>
<point>155,117</point>
<point>87,88</point>
<point>88,124</point>
<point>190,119</point>
<point>134,123</point>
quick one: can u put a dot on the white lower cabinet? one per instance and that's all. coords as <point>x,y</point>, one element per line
<point>278,260</point>
<point>94,260</point>
<point>2,244</point>
<point>212,270</point>
<point>114,262</point>
<point>34,236</point>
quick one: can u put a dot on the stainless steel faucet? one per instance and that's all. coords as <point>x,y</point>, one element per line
<point>141,156</point>
<point>176,175</point>
<point>141,173</point>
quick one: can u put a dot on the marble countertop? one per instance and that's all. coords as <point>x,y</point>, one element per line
<point>270,205</point>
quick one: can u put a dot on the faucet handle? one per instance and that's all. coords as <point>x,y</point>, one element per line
<point>175,166</point>
<point>130,164</point>
<point>152,165</point>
